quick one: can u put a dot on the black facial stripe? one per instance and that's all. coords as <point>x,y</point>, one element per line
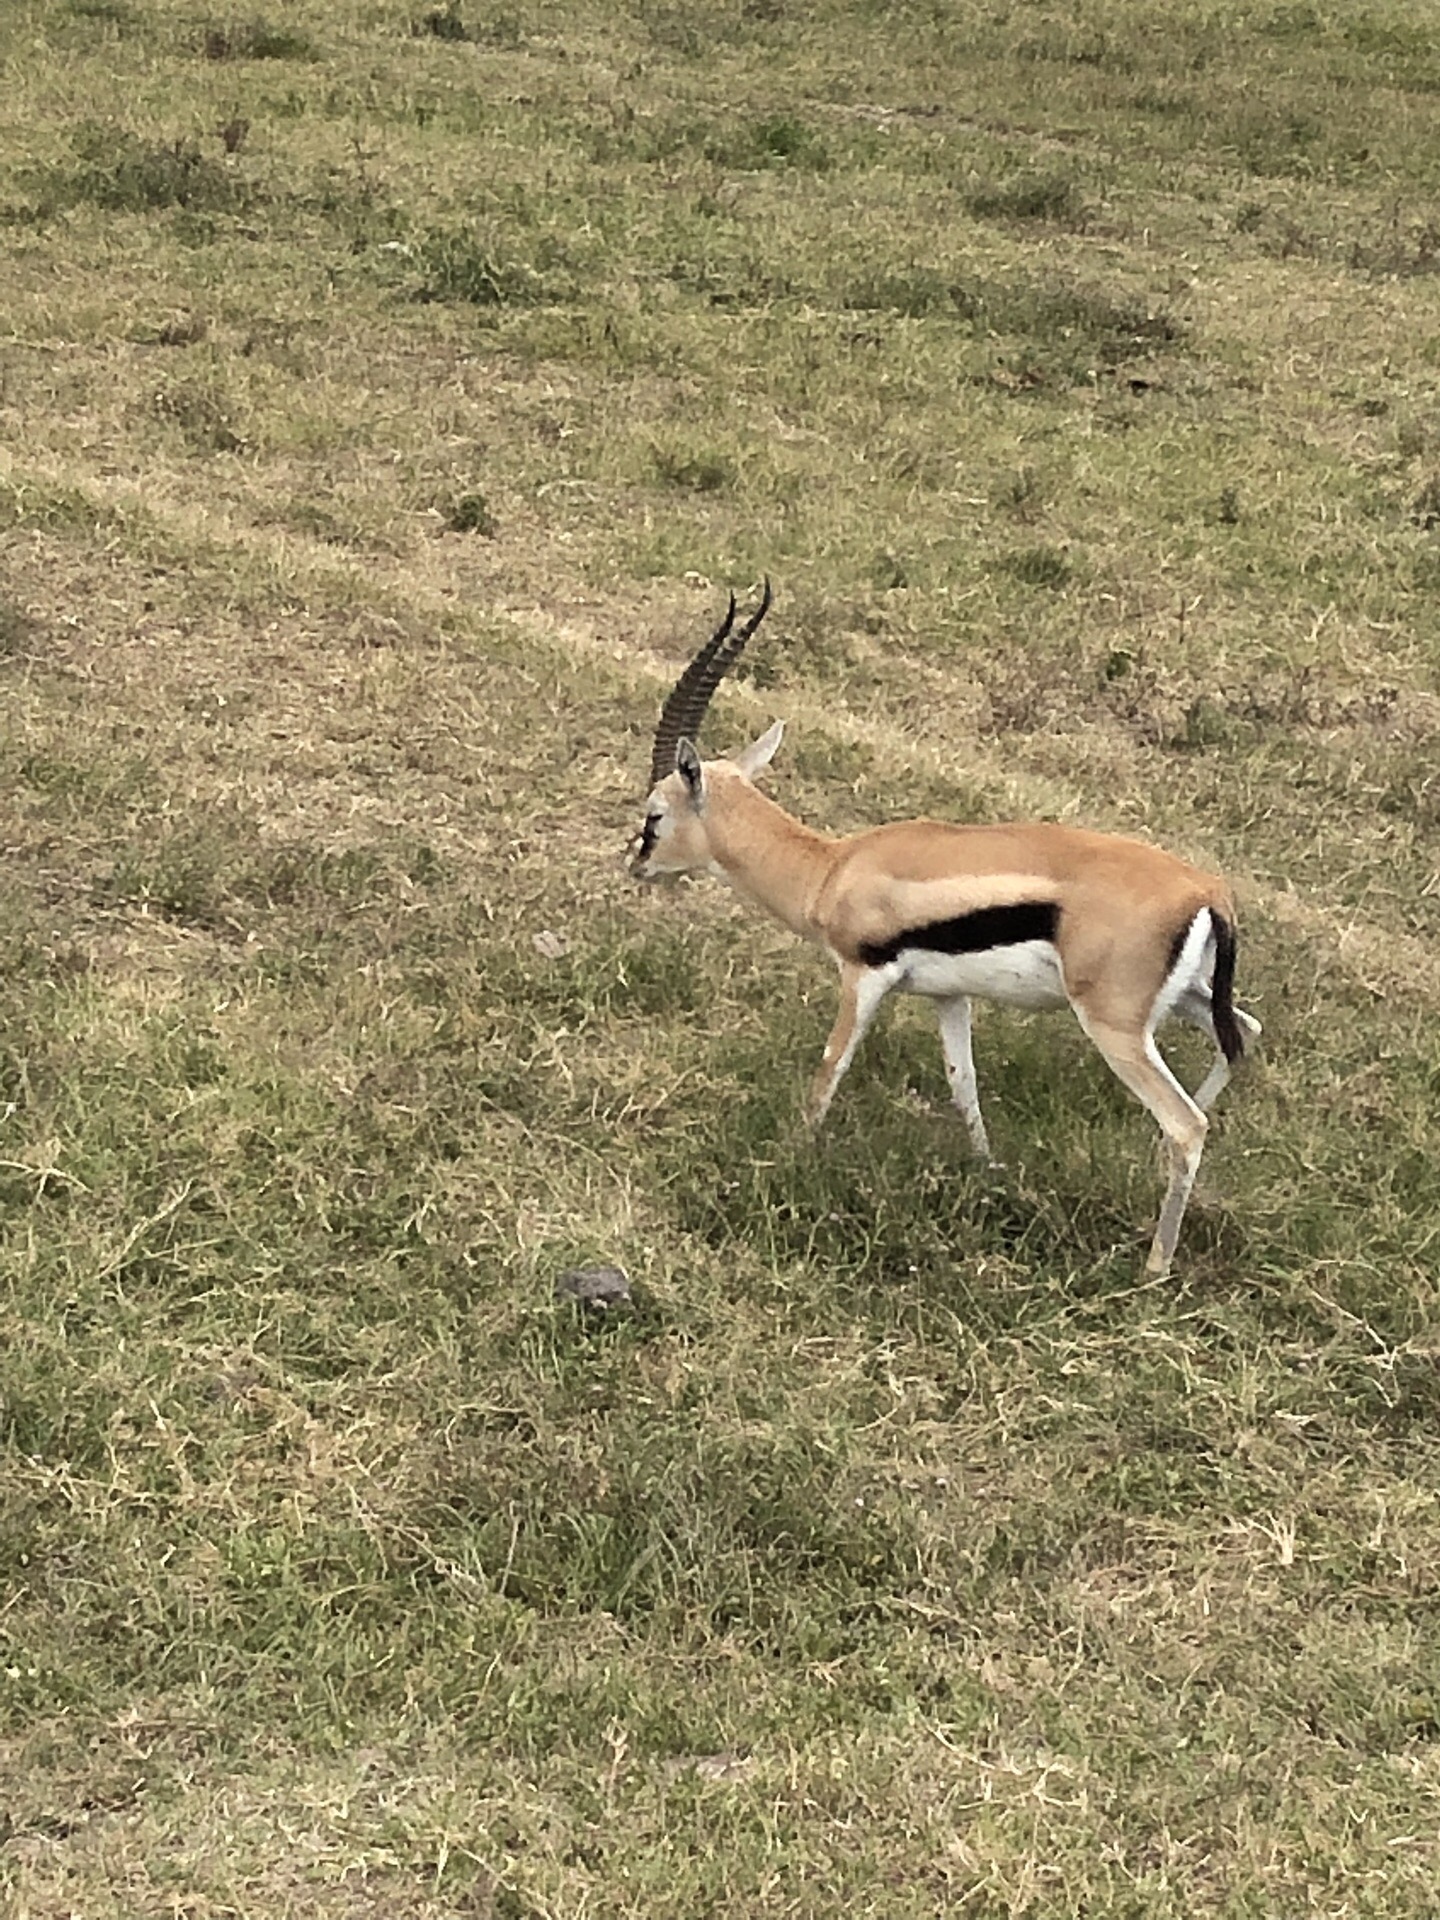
<point>647,835</point>
<point>973,932</point>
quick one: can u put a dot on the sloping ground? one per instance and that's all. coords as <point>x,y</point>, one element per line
<point>385,403</point>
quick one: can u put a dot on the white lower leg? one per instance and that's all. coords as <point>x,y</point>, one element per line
<point>960,1070</point>
<point>1185,1166</point>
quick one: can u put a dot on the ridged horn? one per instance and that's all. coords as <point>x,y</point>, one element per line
<point>684,710</point>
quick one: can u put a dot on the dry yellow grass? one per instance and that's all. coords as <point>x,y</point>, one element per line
<point>386,398</point>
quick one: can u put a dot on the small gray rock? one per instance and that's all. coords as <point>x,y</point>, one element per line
<point>596,1287</point>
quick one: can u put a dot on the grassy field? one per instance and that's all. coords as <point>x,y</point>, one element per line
<point>388,395</point>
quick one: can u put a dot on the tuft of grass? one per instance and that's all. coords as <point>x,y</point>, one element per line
<point>1026,195</point>
<point>38,503</point>
<point>17,630</point>
<point>104,13</point>
<point>1067,323</point>
<point>1404,250</point>
<point>123,172</point>
<point>472,513</point>
<point>445,23</point>
<point>776,140</point>
<point>256,40</point>
<point>204,411</point>
<point>1425,508</point>
<point>463,265</point>
<point>499,28</point>
<point>1038,566</point>
<point>1020,494</point>
<point>694,470</point>
<point>183,330</point>
<point>912,293</point>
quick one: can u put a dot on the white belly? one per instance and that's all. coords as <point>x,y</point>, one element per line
<point>1024,975</point>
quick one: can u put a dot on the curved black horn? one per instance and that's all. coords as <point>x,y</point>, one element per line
<point>684,710</point>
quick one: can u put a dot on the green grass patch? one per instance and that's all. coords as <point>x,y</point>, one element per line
<point>123,172</point>
<point>400,392</point>
<point>468,267</point>
<point>256,40</point>
<point>1028,196</point>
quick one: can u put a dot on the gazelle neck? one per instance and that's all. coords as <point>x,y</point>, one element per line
<point>764,852</point>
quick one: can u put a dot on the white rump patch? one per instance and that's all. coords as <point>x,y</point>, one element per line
<point>1191,969</point>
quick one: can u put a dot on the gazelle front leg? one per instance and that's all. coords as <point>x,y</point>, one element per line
<point>960,1070</point>
<point>861,991</point>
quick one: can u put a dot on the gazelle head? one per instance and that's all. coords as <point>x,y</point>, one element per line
<point>675,836</point>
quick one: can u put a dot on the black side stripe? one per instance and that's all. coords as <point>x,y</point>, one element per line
<point>973,932</point>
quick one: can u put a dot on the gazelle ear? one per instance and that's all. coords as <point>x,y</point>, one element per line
<point>687,764</point>
<point>758,755</point>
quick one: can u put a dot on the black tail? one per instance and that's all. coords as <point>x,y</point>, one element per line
<point>1222,990</point>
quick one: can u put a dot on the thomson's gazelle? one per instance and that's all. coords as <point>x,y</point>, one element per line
<point>1031,915</point>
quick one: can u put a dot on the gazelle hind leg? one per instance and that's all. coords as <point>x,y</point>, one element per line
<point>862,989</point>
<point>1193,1007</point>
<point>1135,1060</point>
<point>960,1069</point>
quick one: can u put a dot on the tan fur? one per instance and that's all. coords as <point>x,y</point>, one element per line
<point>1122,904</point>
